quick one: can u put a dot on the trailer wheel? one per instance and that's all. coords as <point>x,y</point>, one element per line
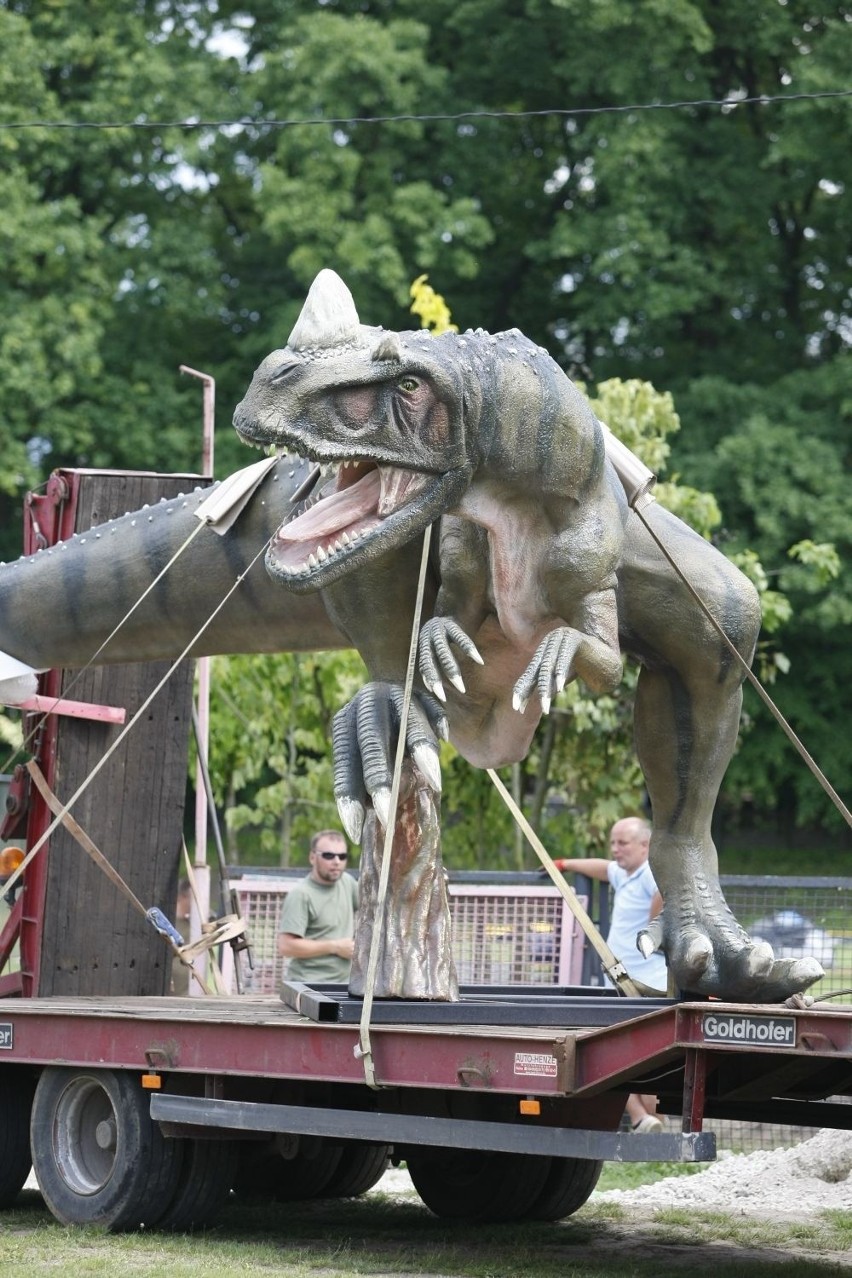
<point>361,1166</point>
<point>472,1184</point>
<point>206,1178</point>
<point>16,1098</point>
<point>568,1186</point>
<point>307,1175</point>
<point>98,1157</point>
<point>257,1169</point>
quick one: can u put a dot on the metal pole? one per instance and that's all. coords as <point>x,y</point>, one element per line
<point>199,915</point>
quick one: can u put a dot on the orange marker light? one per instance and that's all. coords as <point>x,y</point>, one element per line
<point>530,1106</point>
<point>10,859</point>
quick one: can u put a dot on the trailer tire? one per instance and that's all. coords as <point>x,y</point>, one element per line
<point>206,1178</point>
<point>361,1167</point>
<point>257,1170</point>
<point>473,1184</point>
<point>568,1186</point>
<point>16,1098</point>
<point>307,1175</point>
<point>98,1157</point>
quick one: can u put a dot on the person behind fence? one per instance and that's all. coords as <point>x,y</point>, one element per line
<point>636,899</point>
<point>318,916</point>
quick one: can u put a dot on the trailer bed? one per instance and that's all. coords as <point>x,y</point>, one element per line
<point>747,1054</point>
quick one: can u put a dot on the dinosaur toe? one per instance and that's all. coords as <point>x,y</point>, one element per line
<point>696,958</point>
<point>759,959</point>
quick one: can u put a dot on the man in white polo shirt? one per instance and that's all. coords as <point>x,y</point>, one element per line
<point>636,900</point>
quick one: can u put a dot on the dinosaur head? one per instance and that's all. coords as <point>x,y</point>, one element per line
<point>385,414</point>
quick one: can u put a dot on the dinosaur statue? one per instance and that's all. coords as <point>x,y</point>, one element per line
<point>542,574</point>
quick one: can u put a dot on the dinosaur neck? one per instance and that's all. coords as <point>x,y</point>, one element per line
<point>537,432</point>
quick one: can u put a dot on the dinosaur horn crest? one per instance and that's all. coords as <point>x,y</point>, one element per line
<point>328,317</point>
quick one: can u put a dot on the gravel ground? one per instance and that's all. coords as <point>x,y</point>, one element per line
<point>809,1178</point>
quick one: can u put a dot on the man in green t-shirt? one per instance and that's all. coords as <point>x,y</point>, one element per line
<point>318,916</point>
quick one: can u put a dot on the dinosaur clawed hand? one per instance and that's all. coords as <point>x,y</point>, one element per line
<point>364,736</point>
<point>435,656</point>
<point>563,655</point>
<point>708,952</point>
<point>550,669</point>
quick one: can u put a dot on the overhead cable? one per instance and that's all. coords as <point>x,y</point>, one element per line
<point>726,104</point>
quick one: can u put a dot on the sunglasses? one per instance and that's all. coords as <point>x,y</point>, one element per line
<point>333,856</point>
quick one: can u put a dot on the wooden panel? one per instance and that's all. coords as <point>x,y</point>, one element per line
<point>93,940</point>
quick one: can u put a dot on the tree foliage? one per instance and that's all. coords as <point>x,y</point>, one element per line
<point>701,249</point>
<point>270,724</point>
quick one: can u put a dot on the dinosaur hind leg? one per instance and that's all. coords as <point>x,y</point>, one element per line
<point>687,715</point>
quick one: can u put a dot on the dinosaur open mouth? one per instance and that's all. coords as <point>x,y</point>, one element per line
<point>347,510</point>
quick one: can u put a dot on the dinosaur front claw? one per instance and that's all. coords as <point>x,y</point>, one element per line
<point>563,655</point>
<point>550,669</point>
<point>437,689</point>
<point>436,658</point>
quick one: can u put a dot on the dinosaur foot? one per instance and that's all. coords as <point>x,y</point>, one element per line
<point>709,953</point>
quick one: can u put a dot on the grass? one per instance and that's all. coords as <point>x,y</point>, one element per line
<point>382,1236</point>
<point>631,1175</point>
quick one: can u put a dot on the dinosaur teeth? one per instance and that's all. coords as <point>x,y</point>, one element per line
<point>398,487</point>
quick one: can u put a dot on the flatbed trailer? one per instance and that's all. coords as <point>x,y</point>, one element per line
<point>135,1107</point>
<point>504,1104</point>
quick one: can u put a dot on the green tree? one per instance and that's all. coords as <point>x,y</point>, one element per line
<point>700,249</point>
<point>784,472</point>
<point>110,278</point>
<point>270,765</point>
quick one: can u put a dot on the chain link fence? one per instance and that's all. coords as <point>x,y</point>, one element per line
<point>799,917</point>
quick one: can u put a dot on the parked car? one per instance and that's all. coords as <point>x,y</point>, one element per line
<point>791,935</point>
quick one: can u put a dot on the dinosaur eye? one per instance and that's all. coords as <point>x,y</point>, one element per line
<point>285,370</point>
<point>408,384</point>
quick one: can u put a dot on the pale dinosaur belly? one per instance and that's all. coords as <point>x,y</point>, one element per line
<point>484,727</point>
